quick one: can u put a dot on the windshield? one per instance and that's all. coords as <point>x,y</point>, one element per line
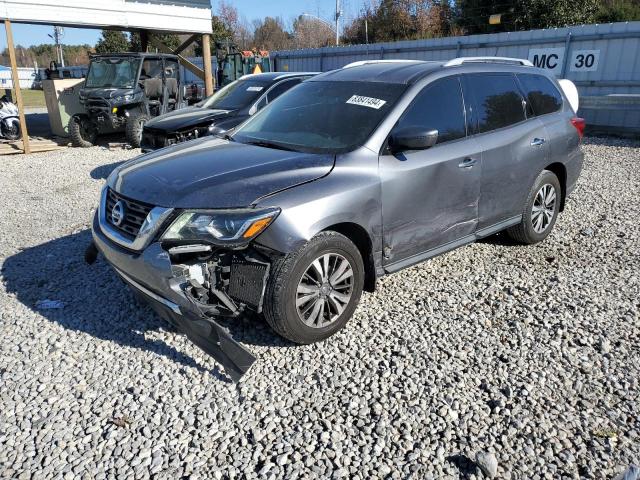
<point>113,73</point>
<point>322,117</point>
<point>236,95</point>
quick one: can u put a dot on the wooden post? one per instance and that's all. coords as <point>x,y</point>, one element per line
<point>144,40</point>
<point>16,86</point>
<point>206,59</point>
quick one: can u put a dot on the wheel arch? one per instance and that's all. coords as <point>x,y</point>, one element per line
<point>362,240</point>
<point>560,171</point>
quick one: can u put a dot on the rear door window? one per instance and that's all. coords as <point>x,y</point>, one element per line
<point>497,99</point>
<point>438,107</point>
<point>542,96</point>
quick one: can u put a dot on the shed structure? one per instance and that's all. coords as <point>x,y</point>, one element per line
<point>158,16</point>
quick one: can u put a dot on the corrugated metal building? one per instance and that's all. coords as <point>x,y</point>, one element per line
<point>189,77</point>
<point>603,61</point>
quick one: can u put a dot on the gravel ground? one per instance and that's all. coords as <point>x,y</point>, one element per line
<point>528,356</point>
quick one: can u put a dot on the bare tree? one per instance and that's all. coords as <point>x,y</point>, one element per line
<point>241,31</point>
<point>401,20</point>
<point>228,16</point>
<point>310,32</point>
<point>244,35</point>
<point>270,34</point>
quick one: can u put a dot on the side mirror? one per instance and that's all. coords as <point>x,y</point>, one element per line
<point>412,138</point>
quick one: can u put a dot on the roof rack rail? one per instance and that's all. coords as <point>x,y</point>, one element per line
<point>366,62</point>
<point>462,60</point>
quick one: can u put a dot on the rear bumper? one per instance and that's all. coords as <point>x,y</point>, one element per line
<point>149,275</point>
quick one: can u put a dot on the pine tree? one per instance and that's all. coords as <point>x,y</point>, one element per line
<point>112,41</point>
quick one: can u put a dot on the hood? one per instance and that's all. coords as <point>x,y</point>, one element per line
<point>215,173</point>
<point>185,118</point>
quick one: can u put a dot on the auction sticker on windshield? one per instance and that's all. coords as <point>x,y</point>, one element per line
<point>254,89</point>
<point>366,101</point>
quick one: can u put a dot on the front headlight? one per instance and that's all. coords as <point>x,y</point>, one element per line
<point>226,227</point>
<point>124,98</point>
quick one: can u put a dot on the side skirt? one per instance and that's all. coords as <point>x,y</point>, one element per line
<point>434,252</point>
<point>498,227</point>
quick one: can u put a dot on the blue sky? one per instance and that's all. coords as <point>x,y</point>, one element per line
<point>27,35</point>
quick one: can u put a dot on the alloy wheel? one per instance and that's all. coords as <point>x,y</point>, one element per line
<point>324,290</point>
<point>544,208</point>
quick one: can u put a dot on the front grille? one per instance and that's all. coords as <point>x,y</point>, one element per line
<point>96,104</point>
<point>135,214</point>
<point>191,134</point>
<point>153,139</point>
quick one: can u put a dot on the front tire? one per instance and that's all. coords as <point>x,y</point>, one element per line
<point>540,210</point>
<point>312,293</point>
<point>11,129</point>
<point>82,131</point>
<point>134,127</point>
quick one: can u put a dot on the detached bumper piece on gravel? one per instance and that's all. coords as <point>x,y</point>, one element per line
<point>192,286</point>
<point>206,333</point>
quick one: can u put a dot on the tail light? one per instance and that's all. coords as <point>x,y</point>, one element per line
<point>580,124</point>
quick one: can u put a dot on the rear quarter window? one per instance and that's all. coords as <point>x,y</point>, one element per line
<point>497,100</point>
<point>541,94</point>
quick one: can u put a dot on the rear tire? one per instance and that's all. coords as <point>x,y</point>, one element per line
<point>82,131</point>
<point>540,210</point>
<point>134,127</point>
<point>296,289</point>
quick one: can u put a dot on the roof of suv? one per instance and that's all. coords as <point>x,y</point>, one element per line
<point>409,71</point>
<point>388,72</point>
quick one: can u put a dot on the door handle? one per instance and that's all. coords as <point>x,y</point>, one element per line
<point>537,141</point>
<point>467,163</point>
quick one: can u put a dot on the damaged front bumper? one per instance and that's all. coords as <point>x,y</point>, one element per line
<point>190,289</point>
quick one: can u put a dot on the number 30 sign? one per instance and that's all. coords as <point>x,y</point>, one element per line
<point>584,60</point>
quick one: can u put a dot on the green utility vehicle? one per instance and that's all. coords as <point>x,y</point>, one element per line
<point>124,90</point>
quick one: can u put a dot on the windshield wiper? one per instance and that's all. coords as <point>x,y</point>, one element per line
<point>267,144</point>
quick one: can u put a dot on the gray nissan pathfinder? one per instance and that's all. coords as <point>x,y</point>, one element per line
<point>351,175</point>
